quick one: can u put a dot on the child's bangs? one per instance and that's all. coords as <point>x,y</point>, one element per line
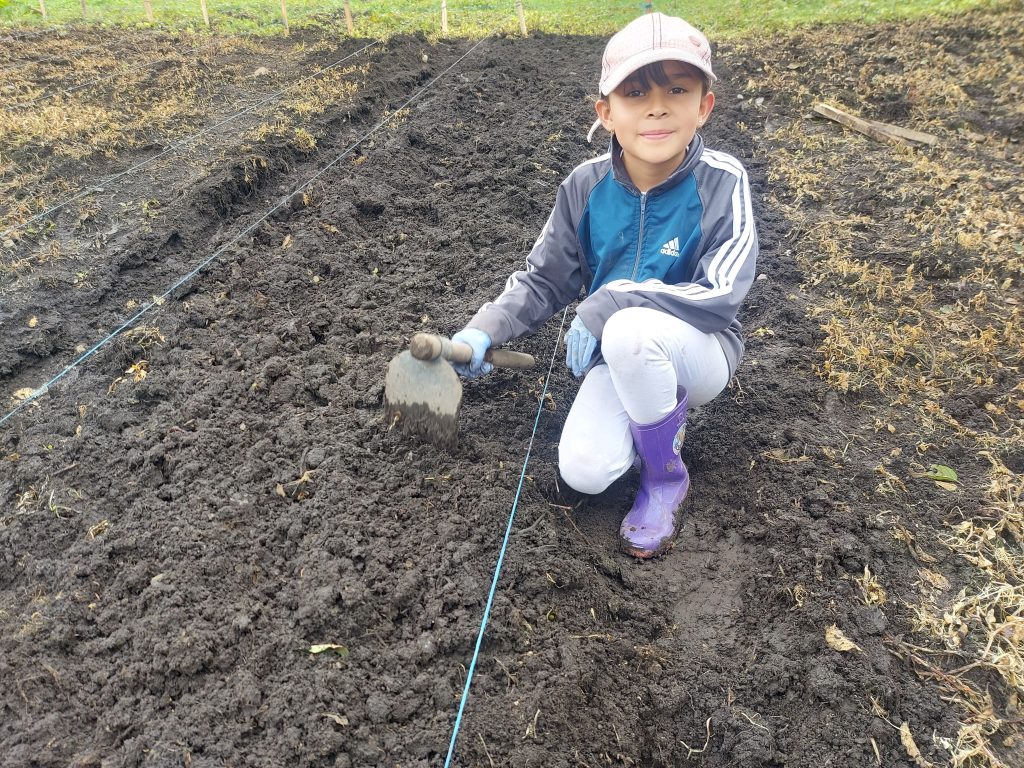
<point>648,75</point>
<point>654,74</point>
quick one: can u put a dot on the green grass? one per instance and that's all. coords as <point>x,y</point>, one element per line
<point>473,17</point>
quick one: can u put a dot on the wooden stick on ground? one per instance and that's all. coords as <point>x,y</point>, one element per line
<point>907,133</point>
<point>878,131</point>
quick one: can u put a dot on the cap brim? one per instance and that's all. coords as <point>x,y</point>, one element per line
<point>631,65</point>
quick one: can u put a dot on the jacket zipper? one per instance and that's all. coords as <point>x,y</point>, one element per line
<point>640,240</point>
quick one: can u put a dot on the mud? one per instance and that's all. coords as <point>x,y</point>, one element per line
<point>171,548</point>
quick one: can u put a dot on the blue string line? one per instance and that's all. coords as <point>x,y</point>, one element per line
<point>501,556</point>
<point>181,281</point>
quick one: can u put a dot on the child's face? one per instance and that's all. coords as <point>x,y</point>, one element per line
<point>655,125</point>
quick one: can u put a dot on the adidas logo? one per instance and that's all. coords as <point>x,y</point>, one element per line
<point>671,248</point>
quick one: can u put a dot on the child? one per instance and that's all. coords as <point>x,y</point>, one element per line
<point>660,233</point>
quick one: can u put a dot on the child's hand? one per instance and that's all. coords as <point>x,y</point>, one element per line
<point>579,347</point>
<point>480,342</point>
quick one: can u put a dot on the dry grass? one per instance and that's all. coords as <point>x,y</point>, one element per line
<point>915,264</point>
<point>137,107</point>
<point>289,119</point>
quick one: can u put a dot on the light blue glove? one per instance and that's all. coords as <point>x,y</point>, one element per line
<point>480,342</point>
<point>579,347</point>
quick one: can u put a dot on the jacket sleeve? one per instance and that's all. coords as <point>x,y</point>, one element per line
<point>722,277</point>
<point>551,280</point>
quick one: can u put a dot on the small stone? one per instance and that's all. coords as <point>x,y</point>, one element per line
<point>426,646</point>
<point>377,707</point>
<point>158,583</point>
<point>315,457</point>
<point>871,620</point>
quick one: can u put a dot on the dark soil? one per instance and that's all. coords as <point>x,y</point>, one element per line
<point>171,548</point>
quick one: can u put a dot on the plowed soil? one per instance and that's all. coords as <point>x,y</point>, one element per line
<point>172,546</point>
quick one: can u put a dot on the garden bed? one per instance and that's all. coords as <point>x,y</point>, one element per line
<point>190,509</point>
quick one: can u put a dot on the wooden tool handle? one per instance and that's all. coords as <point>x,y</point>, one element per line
<point>427,346</point>
<point>506,358</point>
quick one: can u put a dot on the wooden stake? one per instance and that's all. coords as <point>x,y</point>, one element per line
<point>348,19</point>
<point>85,11</point>
<point>878,131</point>
<point>284,15</point>
<point>42,7</point>
<point>206,12</point>
<point>522,17</point>
<point>444,17</point>
<point>149,10</point>
<point>906,133</point>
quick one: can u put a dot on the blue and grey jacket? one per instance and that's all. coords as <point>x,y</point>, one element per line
<point>686,247</point>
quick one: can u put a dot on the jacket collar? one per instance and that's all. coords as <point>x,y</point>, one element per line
<point>621,175</point>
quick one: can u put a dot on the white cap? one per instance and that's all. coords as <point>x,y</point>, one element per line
<point>650,38</point>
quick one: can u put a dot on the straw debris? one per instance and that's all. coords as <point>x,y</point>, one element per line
<point>914,267</point>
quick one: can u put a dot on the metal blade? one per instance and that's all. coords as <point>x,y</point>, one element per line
<point>423,397</point>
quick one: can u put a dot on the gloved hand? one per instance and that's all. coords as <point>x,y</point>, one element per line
<point>580,344</point>
<point>480,342</point>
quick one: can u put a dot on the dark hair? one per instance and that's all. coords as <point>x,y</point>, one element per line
<point>655,74</point>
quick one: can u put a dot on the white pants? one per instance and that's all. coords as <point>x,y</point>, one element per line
<point>648,354</point>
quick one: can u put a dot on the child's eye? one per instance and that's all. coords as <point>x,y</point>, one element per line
<point>634,93</point>
<point>677,90</point>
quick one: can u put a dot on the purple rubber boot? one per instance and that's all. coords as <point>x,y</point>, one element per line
<point>651,524</point>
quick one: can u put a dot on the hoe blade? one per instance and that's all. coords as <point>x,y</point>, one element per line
<point>423,397</point>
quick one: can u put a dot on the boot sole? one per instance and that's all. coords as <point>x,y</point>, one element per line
<point>643,554</point>
<point>629,548</point>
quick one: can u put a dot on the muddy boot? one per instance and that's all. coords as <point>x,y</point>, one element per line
<point>652,523</point>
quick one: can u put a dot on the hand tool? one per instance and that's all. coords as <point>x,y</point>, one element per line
<point>422,392</point>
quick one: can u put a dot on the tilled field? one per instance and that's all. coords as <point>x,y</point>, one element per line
<point>187,511</point>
